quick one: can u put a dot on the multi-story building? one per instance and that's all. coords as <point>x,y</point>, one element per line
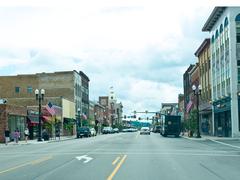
<point>19,89</point>
<point>187,89</point>
<point>99,116</point>
<point>84,93</point>
<point>63,89</point>
<point>104,101</point>
<point>205,107</point>
<point>224,27</point>
<point>113,109</point>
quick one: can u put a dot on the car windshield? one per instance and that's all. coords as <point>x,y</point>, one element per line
<point>120,89</point>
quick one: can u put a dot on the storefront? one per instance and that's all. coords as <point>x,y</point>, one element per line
<point>205,111</point>
<point>222,118</point>
<point>12,118</point>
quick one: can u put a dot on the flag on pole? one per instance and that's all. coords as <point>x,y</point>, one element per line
<point>84,116</point>
<point>50,108</point>
<point>189,106</point>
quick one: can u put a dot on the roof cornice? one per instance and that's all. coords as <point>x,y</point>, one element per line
<point>213,18</point>
<point>204,44</point>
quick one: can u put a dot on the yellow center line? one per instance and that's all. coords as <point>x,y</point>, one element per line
<point>116,160</point>
<point>41,160</point>
<point>117,168</point>
<point>25,164</point>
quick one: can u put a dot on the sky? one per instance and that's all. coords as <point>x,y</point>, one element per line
<point>141,48</point>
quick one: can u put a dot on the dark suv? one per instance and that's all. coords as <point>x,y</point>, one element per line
<point>83,131</point>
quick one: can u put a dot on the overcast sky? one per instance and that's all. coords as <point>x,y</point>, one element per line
<point>141,48</point>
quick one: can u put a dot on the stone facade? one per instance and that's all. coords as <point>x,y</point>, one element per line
<point>223,26</point>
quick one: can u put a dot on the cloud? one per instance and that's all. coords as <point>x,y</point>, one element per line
<point>142,49</point>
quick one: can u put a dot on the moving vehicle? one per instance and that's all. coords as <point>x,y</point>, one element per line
<point>145,130</point>
<point>83,132</point>
<point>170,125</point>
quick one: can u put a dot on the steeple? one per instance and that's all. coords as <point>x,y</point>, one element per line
<point>112,96</point>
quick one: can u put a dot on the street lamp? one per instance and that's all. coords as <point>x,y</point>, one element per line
<point>197,93</point>
<point>39,96</point>
<point>78,121</point>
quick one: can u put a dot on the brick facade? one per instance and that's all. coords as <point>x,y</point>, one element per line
<point>5,112</point>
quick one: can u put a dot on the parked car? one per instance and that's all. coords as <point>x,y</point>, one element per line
<point>116,130</point>
<point>107,130</point>
<point>93,132</point>
<point>145,130</point>
<point>83,132</point>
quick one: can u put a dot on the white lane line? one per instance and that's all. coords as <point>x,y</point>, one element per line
<point>226,144</point>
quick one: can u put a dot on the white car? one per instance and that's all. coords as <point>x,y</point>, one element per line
<point>145,130</point>
<point>93,132</point>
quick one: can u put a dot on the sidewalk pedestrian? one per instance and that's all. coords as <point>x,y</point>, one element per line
<point>16,136</point>
<point>26,134</point>
<point>7,136</point>
<point>58,134</point>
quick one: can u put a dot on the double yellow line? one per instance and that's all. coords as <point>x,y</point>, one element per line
<point>117,167</point>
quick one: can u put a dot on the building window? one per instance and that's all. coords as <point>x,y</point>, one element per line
<point>221,28</point>
<point>226,22</point>
<point>238,33</point>
<point>216,34</point>
<point>17,89</point>
<point>29,89</point>
<point>238,75</point>
<point>212,38</point>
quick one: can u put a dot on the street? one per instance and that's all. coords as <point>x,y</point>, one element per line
<point>123,156</point>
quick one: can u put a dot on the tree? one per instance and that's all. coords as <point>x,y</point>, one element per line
<point>192,122</point>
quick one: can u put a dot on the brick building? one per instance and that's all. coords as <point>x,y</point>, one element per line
<point>12,117</point>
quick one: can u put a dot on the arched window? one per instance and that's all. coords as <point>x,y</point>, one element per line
<point>212,38</point>
<point>237,19</point>
<point>216,34</point>
<point>221,28</point>
<point>226,22</point>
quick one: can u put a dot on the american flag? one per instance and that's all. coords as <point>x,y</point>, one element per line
<point>50,108</point>
<point>84,116</point>
<point>189,106</point>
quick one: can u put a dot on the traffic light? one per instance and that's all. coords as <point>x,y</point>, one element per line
<point>125,117</point>
<point>147,118</point>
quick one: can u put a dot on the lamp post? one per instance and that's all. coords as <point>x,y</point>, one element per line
<point>40,97</point>
<point>78,121</point>
<point>96,122</point>
<point>112,115</point>
<point>197,93</point>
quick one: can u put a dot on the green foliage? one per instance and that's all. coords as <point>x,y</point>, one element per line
<point>192,120</point>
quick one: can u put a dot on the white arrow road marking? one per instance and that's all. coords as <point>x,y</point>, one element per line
<point>87,159</point>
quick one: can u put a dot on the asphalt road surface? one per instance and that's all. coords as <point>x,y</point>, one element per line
<point>122,156</point>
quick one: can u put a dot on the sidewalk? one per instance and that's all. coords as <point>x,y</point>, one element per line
<point>62,138</point>
<point>208,137</point>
